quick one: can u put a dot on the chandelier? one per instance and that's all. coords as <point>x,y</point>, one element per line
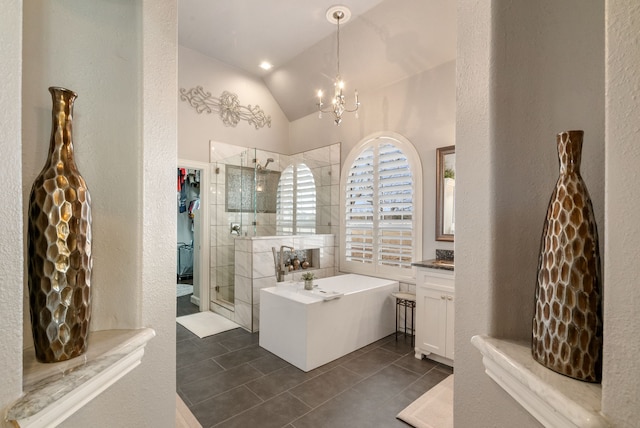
<point>336,14</point>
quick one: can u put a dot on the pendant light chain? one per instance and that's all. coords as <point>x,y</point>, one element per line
<point>339,14</point>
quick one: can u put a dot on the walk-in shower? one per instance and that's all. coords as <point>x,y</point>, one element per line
<point>262,193</point>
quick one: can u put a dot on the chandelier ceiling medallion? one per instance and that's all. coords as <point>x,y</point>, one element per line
<point>337,15</point>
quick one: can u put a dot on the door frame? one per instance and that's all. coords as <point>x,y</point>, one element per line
<point>205,226</point>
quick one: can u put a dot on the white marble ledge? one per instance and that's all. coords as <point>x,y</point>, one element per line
<point>53,392</point>
<point>553,399</point>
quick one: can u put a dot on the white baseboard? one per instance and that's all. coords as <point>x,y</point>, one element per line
<point>195,300</point>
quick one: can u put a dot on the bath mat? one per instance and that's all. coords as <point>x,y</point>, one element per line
<point>204,324</point>
<point>434,409</point>
<point>184,289</point>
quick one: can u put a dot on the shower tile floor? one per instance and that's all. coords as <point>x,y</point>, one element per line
<point>228,380</point>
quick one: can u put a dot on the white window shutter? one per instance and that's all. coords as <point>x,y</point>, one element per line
<point>395,202</point>
<point>305,201</point>
<point>359,209</point>
<point>381,229</point>
<point>296,201</point>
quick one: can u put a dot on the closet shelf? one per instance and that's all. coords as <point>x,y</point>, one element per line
<point>53,392</point>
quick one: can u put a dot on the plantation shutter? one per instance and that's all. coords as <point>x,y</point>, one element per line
<point>395,202</point>
<point>296,201</point>
<point>284,203</point>
<point>305,202</point>
<point>359,209</point>
<point>379,224</point>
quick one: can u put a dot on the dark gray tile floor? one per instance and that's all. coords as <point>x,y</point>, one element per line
<point>185,307</point>
<point>228,380</point>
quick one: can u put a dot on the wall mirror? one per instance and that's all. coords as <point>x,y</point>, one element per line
<point>445,193</point>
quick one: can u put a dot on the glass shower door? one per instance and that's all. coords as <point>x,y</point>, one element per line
<point>228,221</point>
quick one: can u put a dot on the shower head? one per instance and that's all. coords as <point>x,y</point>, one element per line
<point>260,167</point>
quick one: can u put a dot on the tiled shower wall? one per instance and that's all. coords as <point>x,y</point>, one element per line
<point>255,269</point>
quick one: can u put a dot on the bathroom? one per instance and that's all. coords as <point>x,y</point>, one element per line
<point>401,110</point>
<point>206,139</point>
<point>505,56</point>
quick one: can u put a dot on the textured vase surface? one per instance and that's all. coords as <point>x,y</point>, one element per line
<point>567,323</point>
<point>59,245</point>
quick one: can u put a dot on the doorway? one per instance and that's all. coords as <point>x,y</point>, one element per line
<point>192,237</point>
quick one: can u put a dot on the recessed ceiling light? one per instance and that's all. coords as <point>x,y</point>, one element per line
<point>265,65</point>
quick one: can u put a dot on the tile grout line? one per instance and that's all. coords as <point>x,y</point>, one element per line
<point>262,401</point>
<point>252,364</point>
<point>230,389</point>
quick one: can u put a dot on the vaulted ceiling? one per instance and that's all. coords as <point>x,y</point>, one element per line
<point>384,41</point>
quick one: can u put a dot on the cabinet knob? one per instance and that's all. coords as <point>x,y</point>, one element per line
<point>443,297</point>
<point>449,298</point>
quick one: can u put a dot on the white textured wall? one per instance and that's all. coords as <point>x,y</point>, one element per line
<point>195,130</point>
<point>146,397</point>
<point>549,78</point>
<point>65,45</point>
<point>478,401</point>
<point>620,387</point>
<point>120,56</point>
<point>421,108</point>
<point>158,257</point>
<point>11,252</point>
<point>526,71</point>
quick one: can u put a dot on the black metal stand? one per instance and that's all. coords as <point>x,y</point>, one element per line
<point>408,301</point>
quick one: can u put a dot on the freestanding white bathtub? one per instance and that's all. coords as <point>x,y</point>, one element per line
<point>311,328</point>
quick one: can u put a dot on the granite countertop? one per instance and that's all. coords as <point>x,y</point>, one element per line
<point>436,264</point>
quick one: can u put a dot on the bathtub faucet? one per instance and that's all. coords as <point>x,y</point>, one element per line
<point>279,267</point>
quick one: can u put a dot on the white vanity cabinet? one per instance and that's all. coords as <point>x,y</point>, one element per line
<point>435,305</point>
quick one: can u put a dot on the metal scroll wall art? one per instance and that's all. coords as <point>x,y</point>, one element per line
<point>227,106</point>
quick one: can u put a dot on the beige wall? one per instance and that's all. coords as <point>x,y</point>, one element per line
<point>195,130</point>
<point>478,401</point>
<point>421,108</point>
<point>620,387</point>
<point>527,70</point>
<point>106,131</point>
<point>11,256</point>
<point>121,59</point>
<point>493,132</point>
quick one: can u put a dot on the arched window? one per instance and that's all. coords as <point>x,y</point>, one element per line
<point>296,201</point>
<point>381,228</point>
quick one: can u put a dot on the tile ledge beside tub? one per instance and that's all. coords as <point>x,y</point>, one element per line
<point>53,392</point>
<point>553,399</point>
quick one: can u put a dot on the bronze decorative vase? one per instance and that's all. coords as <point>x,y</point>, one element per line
<point>567,323</point>
<point>59,245</point>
